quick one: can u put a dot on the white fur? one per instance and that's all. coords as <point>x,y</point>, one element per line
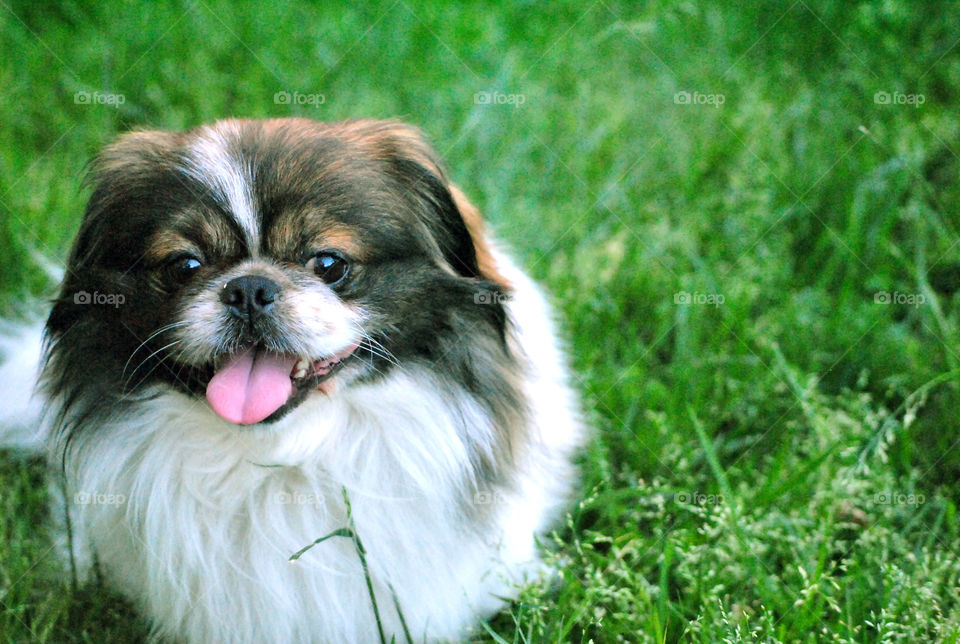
<point>196,518</point>
<point>20,348</point>
<point>211,163</point>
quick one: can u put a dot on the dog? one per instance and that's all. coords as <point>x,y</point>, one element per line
<point>296,390</point>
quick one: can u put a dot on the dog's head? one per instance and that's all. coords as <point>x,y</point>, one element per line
<point>257,263</point>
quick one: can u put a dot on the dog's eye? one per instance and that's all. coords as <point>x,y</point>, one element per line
<point>181,269</point>
<point>329,266</point>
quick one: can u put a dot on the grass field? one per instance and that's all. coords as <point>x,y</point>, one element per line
<point>747,216</point>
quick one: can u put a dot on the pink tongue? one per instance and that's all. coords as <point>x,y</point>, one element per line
<point>250,387</point>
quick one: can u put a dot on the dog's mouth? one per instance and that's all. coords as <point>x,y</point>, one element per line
<point>254,385</point>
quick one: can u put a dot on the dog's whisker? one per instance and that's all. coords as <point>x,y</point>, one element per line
<point>375,347</point>
<point>163,329</point>
<point>145,360</point>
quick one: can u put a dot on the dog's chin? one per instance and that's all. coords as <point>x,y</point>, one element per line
<point>253,386</point>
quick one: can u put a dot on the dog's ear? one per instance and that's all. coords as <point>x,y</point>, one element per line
<point>458,228</point>
<point>477,229</point>
<point>125,177</point>
<point>124,182</point>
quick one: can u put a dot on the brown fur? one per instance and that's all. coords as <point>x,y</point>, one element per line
<point>393,138</point>
<point>166,244</point>
<point>478,232</point>
<point>137,152</point>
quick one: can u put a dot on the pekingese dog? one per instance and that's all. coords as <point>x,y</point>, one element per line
<point>298,392</point>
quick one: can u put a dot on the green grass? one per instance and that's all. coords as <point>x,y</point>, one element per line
<point>782,466</point>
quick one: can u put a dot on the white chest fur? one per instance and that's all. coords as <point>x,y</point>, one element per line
<point>196,519</point>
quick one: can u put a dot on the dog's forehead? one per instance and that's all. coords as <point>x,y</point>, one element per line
<point>283,182</point>
<point>213,159</point>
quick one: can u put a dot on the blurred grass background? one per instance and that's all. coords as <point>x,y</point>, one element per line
<point>781,466</point>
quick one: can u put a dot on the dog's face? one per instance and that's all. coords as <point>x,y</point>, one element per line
<point>257,263</point>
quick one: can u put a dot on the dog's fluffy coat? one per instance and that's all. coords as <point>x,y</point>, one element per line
<point>451,428</point>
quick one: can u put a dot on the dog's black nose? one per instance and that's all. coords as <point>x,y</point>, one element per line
<point>249,296</point>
